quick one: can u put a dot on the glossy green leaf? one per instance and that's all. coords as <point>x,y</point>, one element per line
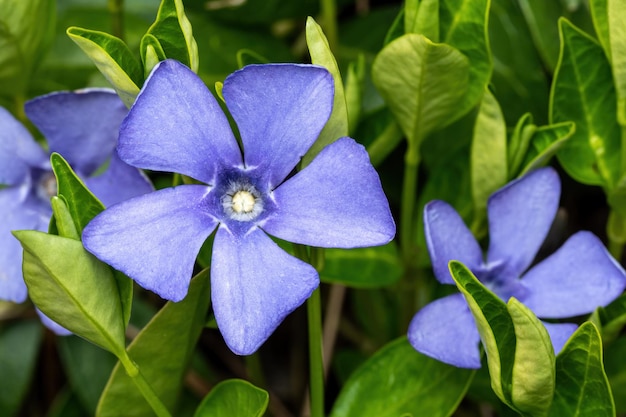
<point>519,352</point>
<point>583,92</point>
<point>599,14</point>
<point>519,142</point>
<point>582,386</point>
<point>73,288</point>
<point>19,344</point>
<point>151,53</point>
<point>87,367</point>
<point>63,221</point>
<point>21,47</point>
<point>173,31</point>
<point>337,125</point>
<point>546,142</point>
<point>84,206</point>
<point>614,354</point>
<point>234,398</point>
<point>488,154</point>
<point>422,17</point>
<point>422,83</point>
<point>616,10</point>
<point>114,60</point>
<point>162,351</point>
<point>611,319</point>
<point>371,267</point>
<point>463,25</point>
<point>397,381</point>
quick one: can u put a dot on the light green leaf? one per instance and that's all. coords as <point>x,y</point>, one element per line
<point>582,387</point>
<point>162,351</point>
<point>234,398</point>
<point>63,221</point>
<point>546,142</point>
<point>397,381</point>
<point>614,354</point>
<point>371,267</point>
<point>422,82</point>
<point>583,93</point>
<point>173,30</point>
<point>463,25</point>
<point>19,344</point>
<point>151,53</point>
<point>600,17</point>
<point>73,288</point>
<point>616,10</point>
<point>422,17</point>
<point>114,60</point>
<point>355,84</point>
<point>337,125</point>
<point>519,142</point>
<point>488,155</point>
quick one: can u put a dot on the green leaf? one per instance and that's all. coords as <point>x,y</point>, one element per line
<point>611,318</point>
<point>519,352</point>
<point>87,367</point>
<point>22,48</point>
<point>162,351</point>
<point>114,60</point>
<point>600,17</point>
<point>519,142</point>
<point>247,57</point>
<point>546,142</point>
<point>463,25</point>
<point>398,381</point>
<point>422,82</point>
<point>73,288</point>
<point>173,31</point>
<point>582,386</point>
<point>540,17</point>
<point>19,344</point>
<point>337,125</point>
<point>583,92</point>
<point>355,84</point>
<point>234,398</point>
<point>372,267</point>
<point>62,219</point>
<point>614,354</point>
<point>151,53</point>
<point>616,10</point>
<point>488,155</point>
<point>422,17</point>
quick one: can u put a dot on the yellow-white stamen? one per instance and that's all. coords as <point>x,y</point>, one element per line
<point>243,202</point>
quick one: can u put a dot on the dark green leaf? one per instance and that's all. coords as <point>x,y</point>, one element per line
<point>234,398</point>
<point>541,17</point>
<point>611,318</point>
<point>398,381</point>
<point>614,355</point>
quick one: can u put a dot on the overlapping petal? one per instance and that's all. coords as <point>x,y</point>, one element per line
<point>280,109</point>
<point>254,285</point>
<point>80,125</point>
<point>119,182</point>
<point>176,125</point>
<point>559,334</point>
<point>520,215</point>
<point>337,201</point>
<point>448,238</point>
<point>154,238</point>
<point>52,325</point>
<point>575,280</point>
<point>18,150</point>
<point>445,330</point>
<point>14,217</point>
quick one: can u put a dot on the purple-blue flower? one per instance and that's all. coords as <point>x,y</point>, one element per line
<point>573,281</point>
<point>248,193</point>
<point>83,127</point>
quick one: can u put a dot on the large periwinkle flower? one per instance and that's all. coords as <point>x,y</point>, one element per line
<point>576,279</point>
<point>81,126</point>
<point>176,125</point>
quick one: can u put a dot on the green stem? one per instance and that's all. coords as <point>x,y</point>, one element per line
<point>146,390</point>
<point>255,370</point>
<point>407,213</point>
<point>116,8</point>
<point>329,18</point>
<point>316,359</point>
<point>385,143</point>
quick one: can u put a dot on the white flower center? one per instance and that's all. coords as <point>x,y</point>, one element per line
<point>242,202</point>
<point>47,186</point>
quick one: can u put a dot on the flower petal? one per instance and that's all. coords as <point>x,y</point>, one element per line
<point>254,286</point>
<point>55,327</point>
<point>280,110</point>
<point>520,216</point>
<point>176,125</point>
<point>154,238</point>
<point>337,201</point>
<point>15,216</point>
<point>445,330</point>
<point>82,126</point>
<point>559,334</point>
<point>119,182</point>
<point>18,150</point>
<point>575,280</point>
<point>448,238</point>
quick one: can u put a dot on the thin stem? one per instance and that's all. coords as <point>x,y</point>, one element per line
<point>316,357</point>
<point>329,19</point>
<point>146,390</point>
<point>407,214</point>
<point>116,8</point>
<point>255,370</point>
